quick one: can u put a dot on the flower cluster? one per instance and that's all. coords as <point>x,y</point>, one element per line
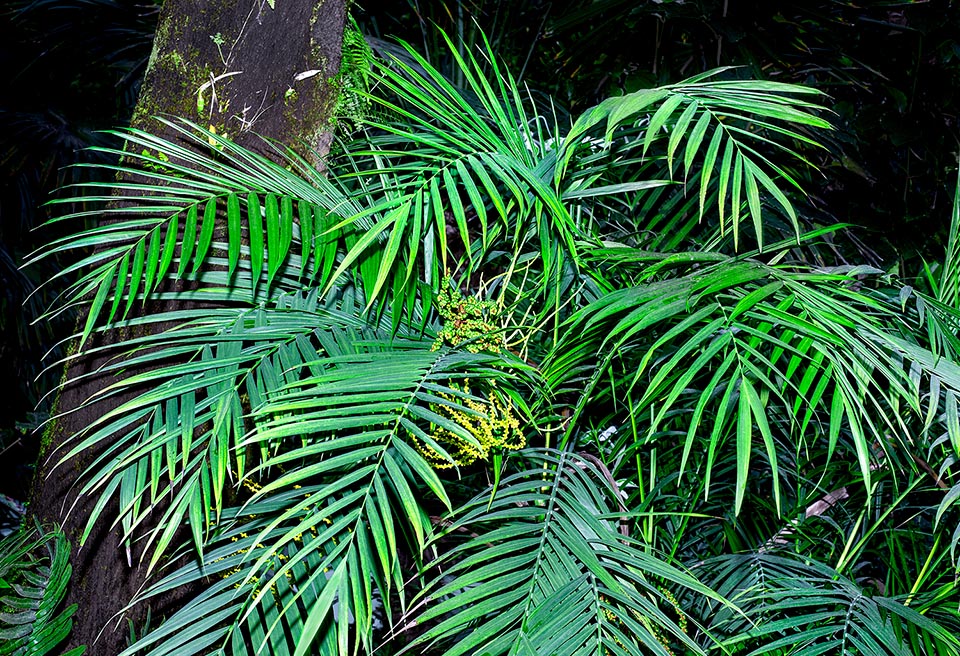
<point>468,321</point>
<point>492,424</point>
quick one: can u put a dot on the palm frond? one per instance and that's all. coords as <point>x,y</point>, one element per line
<point>183,437</point>
<point>338,493</point>
<point>550,572</point>
<point>735,119</point>
<point>173,206</point>
<point>806,608</point>
<point>748,351</point>
<point>34,574</point>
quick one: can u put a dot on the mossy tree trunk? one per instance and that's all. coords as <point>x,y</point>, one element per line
<point>245,69</point>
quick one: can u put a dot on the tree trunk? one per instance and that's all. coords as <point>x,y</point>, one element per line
<point>242,69</point>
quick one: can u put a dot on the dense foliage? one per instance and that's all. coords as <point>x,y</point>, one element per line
<point>502,382</point>
<point>34,574</point>
<point>71,67</point>
<point>888,66</point>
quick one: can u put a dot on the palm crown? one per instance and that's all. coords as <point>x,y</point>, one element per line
<point>695,439</point>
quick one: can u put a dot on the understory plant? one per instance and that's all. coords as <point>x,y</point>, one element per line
<point>497,383</point>
<point>34,574</point>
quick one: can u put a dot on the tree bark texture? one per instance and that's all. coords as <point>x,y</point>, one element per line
<point>246,70</point>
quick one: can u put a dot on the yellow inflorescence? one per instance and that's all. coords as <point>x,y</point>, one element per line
<point>681,616</point>
<point>470,323</point>
<point>494,427</point>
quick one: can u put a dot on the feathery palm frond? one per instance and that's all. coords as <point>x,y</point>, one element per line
<point>807,608</point>
<point>732,111</point>
<point>34,573</point>
<point>747,349</point>
<point>549,571</point>
<point>341,475</point>
<point>167,211</point>
<point>183,436</point>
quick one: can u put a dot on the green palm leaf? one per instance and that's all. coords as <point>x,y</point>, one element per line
<point>550,572</point>
<point>719,119</point>
<point>342,477</point>
<point>751,354</point>
<point>162,225</point>
<point>806,608</point>
<point>183,438</point>
<point>34,574</point>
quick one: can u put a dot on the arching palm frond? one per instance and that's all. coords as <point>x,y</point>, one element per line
<point>547,570</point>
<point>338,495</point>
<point>34,574</point>
<point>737,354</point>
<point>181,438</point>
<point>473,163</point>
<point>732,111</point>
<point>175,205</point>
<point>806,608</point>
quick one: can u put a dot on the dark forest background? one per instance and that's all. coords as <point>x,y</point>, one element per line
<point>891,69</point>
